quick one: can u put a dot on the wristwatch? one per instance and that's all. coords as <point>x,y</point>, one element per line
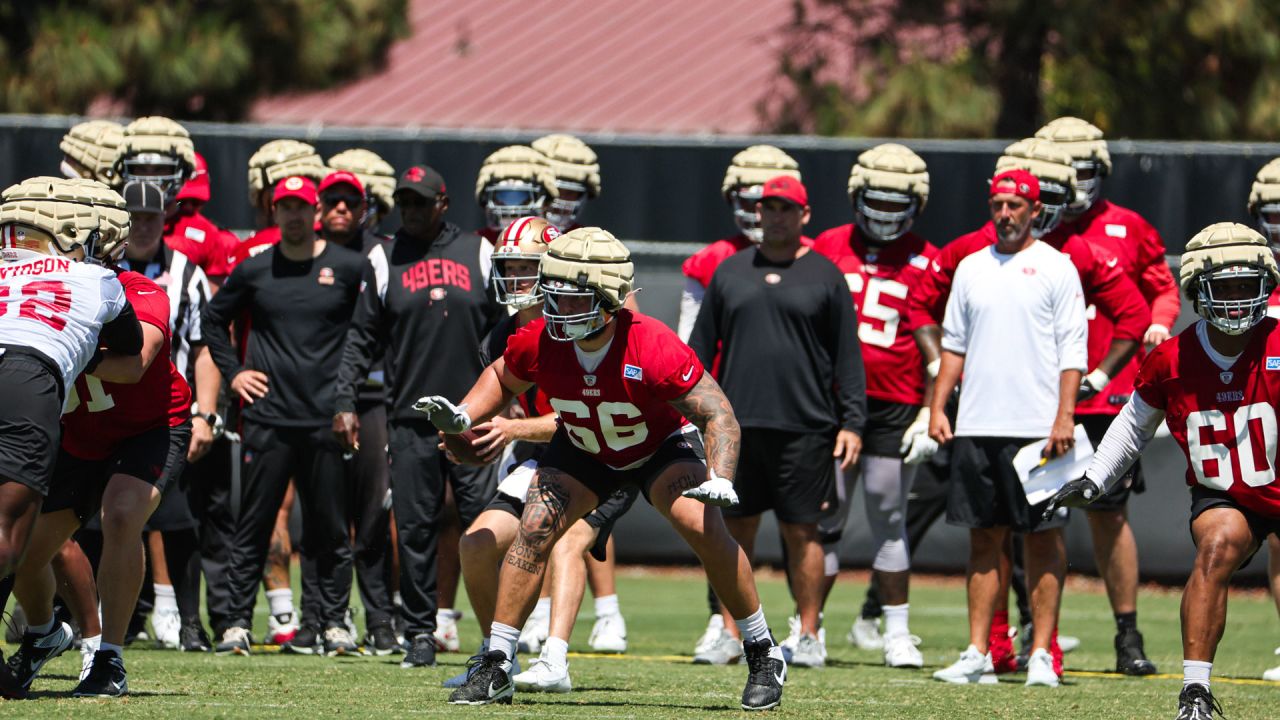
<point>213,418</point>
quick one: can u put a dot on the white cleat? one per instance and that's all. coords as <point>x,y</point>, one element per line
<point>446,634</point>
<point>282,628</point>
<point>809,653</point>
<point>534,633</point>
<point>793,637</point>
<point>865,634</point>
<point>900,651</point>
<point>1040,669</point>
<point>972,667</point>
<point>726,649</point>
<point>1273,674</point>
<point>609,634</point>
<point>1067,643</point>
<point>166,623</point>
<point>710,636</point>
<point>544,676</point>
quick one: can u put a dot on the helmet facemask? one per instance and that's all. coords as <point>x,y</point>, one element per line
<point>515,287</point>
<point>746,216</point>
<point>1089,189</point>
<point>564,212</point>
<point>1268,217</point>
<point>1216,304</point>
<point>166,171</point>
<point>884,215</point>
<point>1054,198</point>
<point>507,200</point>
<point>562,307</point>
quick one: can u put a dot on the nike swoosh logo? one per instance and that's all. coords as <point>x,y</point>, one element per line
<point>148,292</point>
<point>1112,262</point>
<point>688,374</point>
<point>494,692</point>
<point>782,679</point>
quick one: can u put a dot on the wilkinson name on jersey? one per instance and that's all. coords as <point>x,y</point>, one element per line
<point>35,267</point>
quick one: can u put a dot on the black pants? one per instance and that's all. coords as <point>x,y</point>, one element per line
<point>418,473</point>
<point>311,456</point>
<point>209,492</point>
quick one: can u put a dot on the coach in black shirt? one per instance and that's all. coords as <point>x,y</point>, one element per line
<point>299,296</point>
<point>426,301</point>
<point>783,322</point>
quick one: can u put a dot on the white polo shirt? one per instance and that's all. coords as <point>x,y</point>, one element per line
<point>1019,320</point>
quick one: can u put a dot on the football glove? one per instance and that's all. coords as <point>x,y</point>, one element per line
<point>917,446</point>
<point>1092,384</point>
<point>1076,493</point>
<point>715,491</point>
<point>447,417</point>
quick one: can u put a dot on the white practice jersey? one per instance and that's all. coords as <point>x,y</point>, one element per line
<point>56,307</point>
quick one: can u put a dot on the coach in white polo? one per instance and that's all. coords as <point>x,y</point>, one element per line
<point>1015,327</point>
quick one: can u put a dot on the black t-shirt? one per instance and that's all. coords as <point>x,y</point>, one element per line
<point>427,306</point>
<point>298,317</point>
<point>787,336</point>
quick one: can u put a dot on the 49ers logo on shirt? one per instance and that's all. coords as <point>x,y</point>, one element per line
<point>435,272</point>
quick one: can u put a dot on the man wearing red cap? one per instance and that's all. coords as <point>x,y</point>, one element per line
<point>1015,326</point>
<point>783,323</point>
<point>299,295</point>
<point>189,232</point>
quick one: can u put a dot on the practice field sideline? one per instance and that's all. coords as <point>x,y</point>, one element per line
<point>665,612</point>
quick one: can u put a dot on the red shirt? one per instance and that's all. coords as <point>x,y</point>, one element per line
<point>100,415</point>
<point>206,244</point>
<point>1124,235</point>
<point>255,244</point>
<point>881,278</point>
<point>621,412</point>
<point>702,265</point>
<point>1224,421</point>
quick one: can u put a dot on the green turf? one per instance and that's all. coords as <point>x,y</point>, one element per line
<point>665,613</point>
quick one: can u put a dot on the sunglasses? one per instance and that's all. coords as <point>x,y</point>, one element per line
<point>351,199</point>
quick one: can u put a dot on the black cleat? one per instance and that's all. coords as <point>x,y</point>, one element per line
<point>421,653</point>
<point>1130,657</point>
<point>1197,703</point>
<point>490,682</point>
<point>106,678</point>
<point>768,673</point>
<point>192,638</point>
<point>381,640</point>
<point>307,641</point>
<point>25,664</point>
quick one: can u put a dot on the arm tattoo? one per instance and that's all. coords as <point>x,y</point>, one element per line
<point>545,509</point>
<point>706,407</point>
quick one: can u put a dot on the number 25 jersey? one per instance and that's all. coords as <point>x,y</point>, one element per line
<point>620,412</point>
<point>1224,420</point>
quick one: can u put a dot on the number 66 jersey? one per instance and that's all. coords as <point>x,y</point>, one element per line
<point>1223,418</point>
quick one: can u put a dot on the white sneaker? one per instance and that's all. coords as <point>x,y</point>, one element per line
<point>793,637</point>
<point>166,623</point>
<point>1067,643</point>
<point>726,649</point>
<point>900,651</point>
<point>609,634</point>
<point>534,633</point>
<point>710,636</point>
<point>446,634</point>
<point>544,676</point>
<point>972,667</point>
<point>1040,669</point>
<point>1273,674</point>
<point>809,653</point>
<point>282,628</point>
<point>866,634</point>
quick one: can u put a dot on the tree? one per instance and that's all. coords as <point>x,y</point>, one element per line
<point>192,59</point>
<point>1177,69</point>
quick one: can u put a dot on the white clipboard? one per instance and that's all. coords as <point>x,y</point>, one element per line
<point>1040,482</point>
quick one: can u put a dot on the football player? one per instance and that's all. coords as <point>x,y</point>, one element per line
<point>883,262</point>
<point>514,181</point>
<point>1127,237</point>
<point>90,149</point>
<point>622,386</point>
<point>1212,385</point>
<point>577,174</point>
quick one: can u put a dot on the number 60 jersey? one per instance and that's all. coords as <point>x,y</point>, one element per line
<point>1223,419</point>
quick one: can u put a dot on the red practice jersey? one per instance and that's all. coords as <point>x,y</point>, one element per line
<point>702,265</point>
<point>1139,252</point>
<point>620,413</point>
<point>255,244</point>
<point>100,415</point>
<point>881,278</point>
<point>1224,421</point>
<point>208,245</point>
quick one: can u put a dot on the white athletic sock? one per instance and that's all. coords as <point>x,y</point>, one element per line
<point>1196,672</point>
<point>556,651</point>
<point>504,639</point>
<point>281,601</point>
<point>443,613</point>
<point>165,598</point>
<point>91,645</point>
<point>542,609</point>
<point>606,605</point>
<point>44,629</point>
<point>108,646</point>
<point>895,619</point>
<point>754,627</point>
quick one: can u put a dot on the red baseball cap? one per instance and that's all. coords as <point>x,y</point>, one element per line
<point>197,188</point>
<point>341,177</point>
<point>295,186</point>
<point>1016,182</point>
<point>786,188</point>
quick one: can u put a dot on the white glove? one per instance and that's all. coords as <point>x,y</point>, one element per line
<point>1092,384</point>
<point>447,417</point>
<point>715,491</point>
<point>916,443</point>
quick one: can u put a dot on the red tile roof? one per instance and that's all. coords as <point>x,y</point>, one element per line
<point>658,66</point>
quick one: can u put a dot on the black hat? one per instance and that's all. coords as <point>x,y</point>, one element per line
<point>422,180</point>
<point>143,196</point>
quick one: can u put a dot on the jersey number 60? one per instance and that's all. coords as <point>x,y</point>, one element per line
<point>1239,445</point>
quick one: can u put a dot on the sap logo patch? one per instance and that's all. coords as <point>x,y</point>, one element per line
<point>195,234</point>
<point>919,261</point>
<point>1273,363</point>
<point>1116,231</point>
<point>631,372</point>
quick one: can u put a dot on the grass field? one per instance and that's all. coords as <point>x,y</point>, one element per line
<point>665,612</point>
